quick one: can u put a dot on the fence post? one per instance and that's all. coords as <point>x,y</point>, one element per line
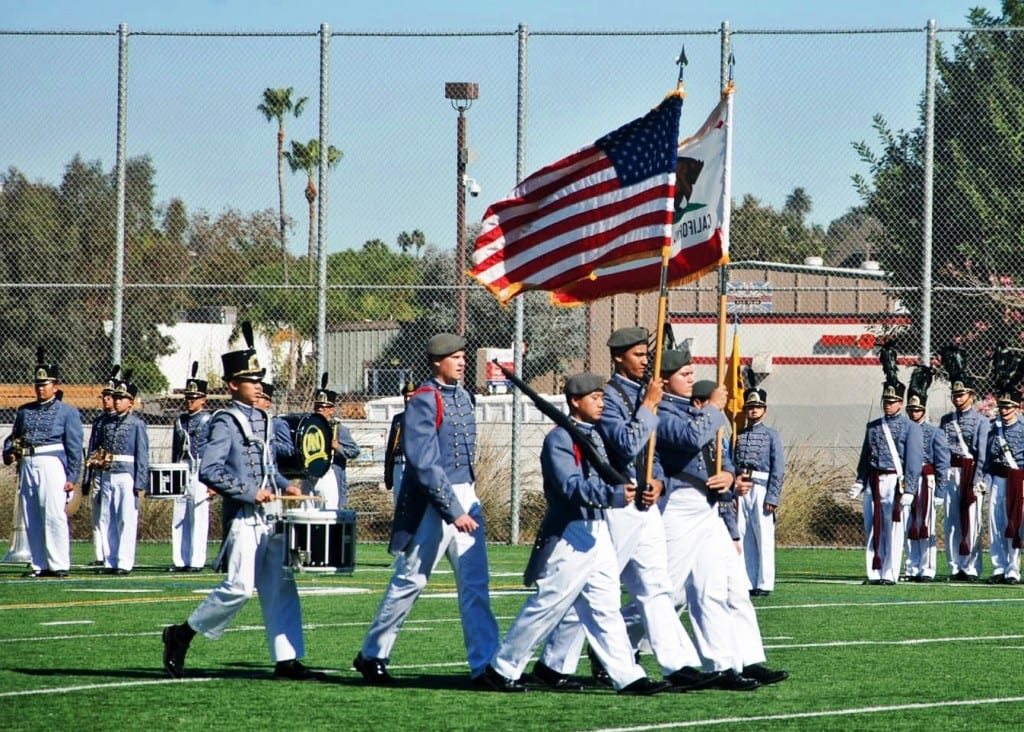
<point>926,212</point>
<point>321,215</point>
<point>517,336</point>
<point>117,317</point>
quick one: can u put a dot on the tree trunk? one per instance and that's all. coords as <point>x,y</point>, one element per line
<point>280,200</point>
<point>311,198</point>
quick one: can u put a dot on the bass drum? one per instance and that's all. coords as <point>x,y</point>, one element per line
<point>310,444</point>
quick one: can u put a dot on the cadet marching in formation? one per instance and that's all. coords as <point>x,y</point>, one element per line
<point>617,513</point>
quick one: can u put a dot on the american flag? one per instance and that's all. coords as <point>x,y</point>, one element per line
<point>700,239</point>
<point>606,204</point>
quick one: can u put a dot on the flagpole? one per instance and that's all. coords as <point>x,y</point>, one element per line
<point>659,337</point>
<point>723,271</point>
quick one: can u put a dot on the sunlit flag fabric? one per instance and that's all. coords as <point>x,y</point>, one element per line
<point>735,386</point>
<point>700,239</point>
<point>609,203</point>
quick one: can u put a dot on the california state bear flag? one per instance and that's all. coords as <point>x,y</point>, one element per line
<point>700,229</point>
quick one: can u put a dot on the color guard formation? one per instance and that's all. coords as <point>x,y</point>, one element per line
<point>688,526</point>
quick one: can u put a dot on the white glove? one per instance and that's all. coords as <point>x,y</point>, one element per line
<point>855,490</point>
<point>906,500</point>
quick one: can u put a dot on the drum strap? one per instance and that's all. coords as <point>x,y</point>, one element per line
<point>250,439</point>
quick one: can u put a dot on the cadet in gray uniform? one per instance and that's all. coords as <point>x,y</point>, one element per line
<point>922,547</point>
<point>887,472</point>
<point>333,485</point>
<point>573,562</point>
<point>966,431</point>
<point>438,514</point>
<point>93,463</point>
<point>46,442</point>
<point>124,478</point>
<point>239,465</point>
<point>637,530</point>
<point>1005,479</point>
<point>758,454</point>
<point>190,519</point>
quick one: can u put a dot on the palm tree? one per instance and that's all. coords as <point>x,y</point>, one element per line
<point>277,104</point>
<point>307,158</point>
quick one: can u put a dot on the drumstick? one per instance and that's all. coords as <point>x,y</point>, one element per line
<point>285,497</point>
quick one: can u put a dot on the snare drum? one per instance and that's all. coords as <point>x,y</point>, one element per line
<point>167,480</point>
<point>320,541</point>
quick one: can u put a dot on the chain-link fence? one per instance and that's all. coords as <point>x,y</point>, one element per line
<point>147,207</point>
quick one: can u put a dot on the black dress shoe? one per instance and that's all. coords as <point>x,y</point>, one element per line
<point>59,573</point>
<point>887,582</point>
<point>545,676</point>
<point>597,670</point>
<point>970,577</point>
<point>175,568</point>
<point>194,570</point>
<point>293,670</point>
<point>925,578</point>
<point>689,678</point>
<point>764,675</point>
<point>729,680</point>
<point>174,652</point>
<point>1012,581</point>
<point>644,687</point>
<point>872,582</point>
<point>491,680</point>
<point>996,579</point>
<point>121,572</point>
<point>374,670</point>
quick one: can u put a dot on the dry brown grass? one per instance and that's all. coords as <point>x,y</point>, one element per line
<point>815,509</point>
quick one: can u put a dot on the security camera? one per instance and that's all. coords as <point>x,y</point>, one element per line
<point>473,187</point>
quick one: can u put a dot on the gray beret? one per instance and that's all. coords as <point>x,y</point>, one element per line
<point>581,384</point>
<point>672,361</point>
<point>626,337</point>
<point>445,344</point>
<point>703,388</point>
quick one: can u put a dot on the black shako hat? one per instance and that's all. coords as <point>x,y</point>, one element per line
<point>755,398</point>
<point>195,387</point>
<point>324,397</point>
<point>243,365</point>
<point>45,371</point>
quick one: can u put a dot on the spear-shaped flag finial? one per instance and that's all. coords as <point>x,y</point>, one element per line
<point>681,62</point>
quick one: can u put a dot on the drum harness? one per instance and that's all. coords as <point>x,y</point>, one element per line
<point>250,439</point>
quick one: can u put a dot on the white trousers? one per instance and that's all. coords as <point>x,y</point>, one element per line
<point>327,487</point>
<point>970,563</point>
<point>922,553</point>
<point>710,580</point>
<point>639,540</point>
<point>119,520</point>
<point>891,534</point>
<point>467,554</point>
<point>255,563</point>
<point>41,483</point>
<point>1005,558</point>
<point>190,525</point>
<point>757,533</point>
<point>95,501</point>
<point>581,573</point>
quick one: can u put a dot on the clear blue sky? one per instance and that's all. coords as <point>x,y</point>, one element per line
<point>192,102</point>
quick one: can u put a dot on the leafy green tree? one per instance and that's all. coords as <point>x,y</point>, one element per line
<point>759,232</point>
<point>277,104</point>
<point>307,159</point>
<point>978,199</point>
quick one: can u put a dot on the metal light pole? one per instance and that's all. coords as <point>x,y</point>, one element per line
<point>461,94</point>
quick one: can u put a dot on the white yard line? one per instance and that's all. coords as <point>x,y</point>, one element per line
<point>854,711</point>
<point>92,687</point>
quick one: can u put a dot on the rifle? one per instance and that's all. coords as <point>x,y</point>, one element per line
<point>608,474</point>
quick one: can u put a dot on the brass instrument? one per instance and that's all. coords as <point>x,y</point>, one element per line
<point>100,460</point>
